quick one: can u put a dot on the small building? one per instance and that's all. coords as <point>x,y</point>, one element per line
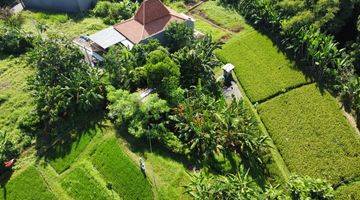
<point>149,22</point>
<point>69,6</point>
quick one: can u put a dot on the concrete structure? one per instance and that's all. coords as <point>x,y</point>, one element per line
<point>70,6</point>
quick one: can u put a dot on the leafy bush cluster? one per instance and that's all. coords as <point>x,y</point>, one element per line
<point>242,186</point>
<point>64,84</point>
<point>13,40</point>
<point>114,12</point>
<point>302,28</point>
<point>201,126</point>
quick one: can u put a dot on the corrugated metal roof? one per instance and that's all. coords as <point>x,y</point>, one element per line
<point>108,37</point>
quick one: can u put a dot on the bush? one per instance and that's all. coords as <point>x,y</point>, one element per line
<point>163,74</point>
<point>13,40</point>
<point>306,187</point>
<point>178,35</point>
<point>115,12</point>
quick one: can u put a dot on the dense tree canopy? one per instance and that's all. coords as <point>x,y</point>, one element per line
<point>7,149</point>
<point>64,84</point>
<point>178,35</point>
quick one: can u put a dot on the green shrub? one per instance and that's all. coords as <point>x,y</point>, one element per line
<point>306,187</point>
<point>27,185</point>
<point>80,185</point>
<point>312,135</point>
<point>115,12</point>
<point>178,35</point>
<point>13,40</point>
<point>117,168</point>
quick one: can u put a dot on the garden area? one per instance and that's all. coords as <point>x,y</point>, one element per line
<point>82,132</point>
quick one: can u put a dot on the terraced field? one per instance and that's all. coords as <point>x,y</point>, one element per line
<point>306,124</point>
<point>312,134</point>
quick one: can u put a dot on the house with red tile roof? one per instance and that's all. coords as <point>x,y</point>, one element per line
<point>149,22</point>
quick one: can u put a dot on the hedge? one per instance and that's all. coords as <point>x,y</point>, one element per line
<point>312,135</point>
<point>117,168</point>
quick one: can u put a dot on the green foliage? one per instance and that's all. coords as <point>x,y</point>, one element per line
<point>114,12</point>
<point>142,118</point>
<point>307,123</point>
<point>113,163</point>
<point>241,186</point>
<point>210,129</point>
<point>7,150</point>
<point>238,186</point>
<point>64,85</point>
<point>306,187</point>
<point>262,70</point>
<point>27,185</point>
<point>13,40</point>
<point>80,185</point>
<point>197,62</point>
<point>164,75</point>
<point>178,35</point>
<point>125,67</point>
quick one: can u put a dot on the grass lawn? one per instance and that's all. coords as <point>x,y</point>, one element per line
<point>261,68</point>
<point>207,28</point>
<point>312,134</point>
<point>221,16</point>
<point>15,102</point>
<point>29,185</point>
<point>121,172</point>
<point>68,25</point>
<point>61,159</point>
<point>80,185</point>
<point>348,192</point>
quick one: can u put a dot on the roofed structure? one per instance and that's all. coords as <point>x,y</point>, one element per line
<point>150,19</point>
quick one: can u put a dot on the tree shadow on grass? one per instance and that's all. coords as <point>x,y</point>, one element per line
<point>60,141</point>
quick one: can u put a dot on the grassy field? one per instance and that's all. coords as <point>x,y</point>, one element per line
<point>28,185</point>
<point>121,172</point>
<point>67,25</point>
<point>15,101</point>
<point>223,17</point>
<point>261,68</point>
<point>312,134</point>
<point>348,192</point>
<point>80,185</point>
